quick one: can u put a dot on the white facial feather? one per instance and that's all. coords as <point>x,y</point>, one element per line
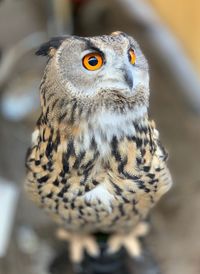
<point>80,81</point>
<point>141,78</point>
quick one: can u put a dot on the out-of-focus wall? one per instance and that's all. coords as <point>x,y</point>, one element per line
<point>183,18</point>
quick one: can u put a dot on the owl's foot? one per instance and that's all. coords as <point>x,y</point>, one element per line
<point>129,241</point>
<point>78,243</point>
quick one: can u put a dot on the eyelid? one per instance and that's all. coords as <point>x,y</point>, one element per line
<point>93,50</point>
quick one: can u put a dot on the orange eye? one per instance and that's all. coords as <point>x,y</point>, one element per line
<point>92,61</point>
<point>132,56</point>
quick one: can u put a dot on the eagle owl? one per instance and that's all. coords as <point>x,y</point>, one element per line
<point>96,163</point>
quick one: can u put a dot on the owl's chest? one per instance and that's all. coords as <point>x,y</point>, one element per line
<point>93,187</point>
<point>106,178</point>
<point>100,197</point>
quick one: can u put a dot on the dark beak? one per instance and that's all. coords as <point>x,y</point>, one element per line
<point>128,77</point>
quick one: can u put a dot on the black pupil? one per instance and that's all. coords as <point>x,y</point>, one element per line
<point>93,61</point>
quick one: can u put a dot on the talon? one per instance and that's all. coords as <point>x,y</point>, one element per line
<point>130,241</point>
<point>62,234</point>
<point>92,247</point>
<point>133,247</point>
<point>78,243</point>
<point>141,229</point>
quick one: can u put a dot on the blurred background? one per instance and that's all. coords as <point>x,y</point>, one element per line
<point>169,34</point>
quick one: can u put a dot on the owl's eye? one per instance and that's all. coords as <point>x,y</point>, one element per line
<point>132,56</point>
<point>92,61</point>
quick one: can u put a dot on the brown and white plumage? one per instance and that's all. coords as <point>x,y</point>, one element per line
<point>96,163</point>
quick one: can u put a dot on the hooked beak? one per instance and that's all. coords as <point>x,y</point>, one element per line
<point>128,77</point>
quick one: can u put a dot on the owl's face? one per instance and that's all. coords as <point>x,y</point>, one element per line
<point>89,75</point>
<point>89,66</point>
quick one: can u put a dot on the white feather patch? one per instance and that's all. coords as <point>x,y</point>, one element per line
<point>35,135</point>
<point>102,194</point>
<point>106,124</point>
<point>117,124</point>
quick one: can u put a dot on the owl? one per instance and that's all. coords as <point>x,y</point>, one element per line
<point>96,163</point>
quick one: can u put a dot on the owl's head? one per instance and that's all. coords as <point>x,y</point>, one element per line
<point>108,71</point>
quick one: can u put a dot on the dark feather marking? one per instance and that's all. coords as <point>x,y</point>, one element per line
<point>164,152</point>
<point>50,195</point>
<point>88,166</point>
<point>115,152</point>
<point>138,160</point>
<point>121,209</point>
<point>146,141</point>
<point>63,191</point>
<point>62,117</point>
<point>39,121</point>
<point>135,210</point>
<point>146,168</point>
<point>44,167</point>
<point>43,80</point>
<point>151,175</point>
<point>158,169</point>
<point>138,142</point>
<point>37,162</point>
<point>56,182</point>
<point>65,200</point>
<point>61,103</point>
<point>44,98</point>
<point>65,156</point>
<point>72,205</point>
<point>78,160</point>
<point>152,149</point>
<point>117,188</point>
<point>50,96</point>
<point>153,181</point>
<point>57,141</point>
<point>95,183</point>
<point>93,144</point>
<point>49,166</point>
<point>80,110</point>
<point>49,147</point>
<point>140,128</point>
<point>87,188</point>
<point>147,190</point>
<point>143,152</point>
<point>43,179</point>
<point>131,177</point>
<point>152,199</point>
<point>43,135</point>
<point>62,174</point>
<point>122,164</point>
<point>74,106</point>
<point>54,103</point>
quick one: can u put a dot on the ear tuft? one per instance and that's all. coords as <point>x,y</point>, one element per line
<point>118,32</point>
<point>49,48</point>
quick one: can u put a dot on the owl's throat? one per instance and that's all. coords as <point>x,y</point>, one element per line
<point>106,125</point>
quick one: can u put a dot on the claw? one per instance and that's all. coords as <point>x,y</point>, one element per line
<point>130,241</point>
<point>78,243</point>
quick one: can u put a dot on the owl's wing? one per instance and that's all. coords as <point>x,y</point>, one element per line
<point>160,162</point>
<point>31,163</point>
<point>159,148</point>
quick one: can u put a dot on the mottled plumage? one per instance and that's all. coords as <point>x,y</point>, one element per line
<point>96,162</point>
